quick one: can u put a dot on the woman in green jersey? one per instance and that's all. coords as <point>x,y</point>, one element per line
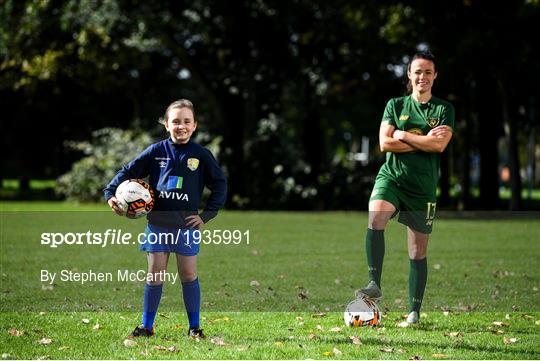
<point>414,131</point>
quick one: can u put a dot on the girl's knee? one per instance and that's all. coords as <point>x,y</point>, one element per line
<point>188,275</point>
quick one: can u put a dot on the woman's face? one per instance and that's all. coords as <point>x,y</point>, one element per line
<point>422,74</point>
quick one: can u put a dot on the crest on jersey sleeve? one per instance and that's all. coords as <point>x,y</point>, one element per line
<point>433,122</point>
<point>193,163</point>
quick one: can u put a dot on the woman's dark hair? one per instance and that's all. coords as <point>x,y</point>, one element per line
<point>427,55</point>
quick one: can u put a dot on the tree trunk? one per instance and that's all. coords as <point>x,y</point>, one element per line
<point>465,160</point>
<point>444,181</point>
<point>489,117</point>
<point>513,153</point>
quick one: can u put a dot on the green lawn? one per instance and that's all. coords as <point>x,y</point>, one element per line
<point>265,299</point>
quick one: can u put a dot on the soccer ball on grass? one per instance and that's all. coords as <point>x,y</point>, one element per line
<point>362,312</point>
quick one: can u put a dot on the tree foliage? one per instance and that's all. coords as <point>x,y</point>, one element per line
<point>289,88</point>
<point>104,154</point>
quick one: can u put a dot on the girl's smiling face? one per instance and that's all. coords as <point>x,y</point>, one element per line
<point>180,124</point>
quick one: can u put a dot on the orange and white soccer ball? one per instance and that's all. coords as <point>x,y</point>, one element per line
<point>362,312</point>
<point>135,198</point>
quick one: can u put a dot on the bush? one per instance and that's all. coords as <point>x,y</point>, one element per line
<point>108,150</point>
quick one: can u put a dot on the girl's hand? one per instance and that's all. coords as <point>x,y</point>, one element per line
<point>194,221</point>
<point>113,203</point>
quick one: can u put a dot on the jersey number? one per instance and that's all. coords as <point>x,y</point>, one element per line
<point>430,214</point>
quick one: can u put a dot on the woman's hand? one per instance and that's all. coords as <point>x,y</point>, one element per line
<point>398,134</point>
<point>440,131</point>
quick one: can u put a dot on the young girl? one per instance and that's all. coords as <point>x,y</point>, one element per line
<point>414,131</point>
<point>178,170</point>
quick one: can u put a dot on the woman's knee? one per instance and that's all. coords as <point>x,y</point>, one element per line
<point>379,219</point>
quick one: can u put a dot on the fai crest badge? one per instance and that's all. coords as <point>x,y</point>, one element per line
<point>192,163</point>
<point>433,122</point>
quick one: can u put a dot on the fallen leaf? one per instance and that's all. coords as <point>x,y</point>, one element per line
<point>508,340</point>
<point>96,327</point>
<point>335,329</point>
<point>254,283</point>
<point>453,334</point>
<point>397,301</point>
<point>279,344</point>
<point>129,343</point>
<point>403,324</point>
<point>318,315</point>
<point>319,327</point>
<point>337,351</point>
<point>446,313</point>
<point>537,322</point>
<point>6,356</point>
<point>497,331</point>
<point>327,353</point>
<point>171,348</point>
<point>313,336</point>
<point>400,350</point>
<point>42,313</point>
<point>528,317</point>
<point>281,277</point>
<point>145,352</point>
<point>164,315</point>
<point>241,348</point>
<point>337,281</point>
<point>45,341</point>
<point>439,355</point>
<point>387,349</point>
<point>15,332</point>
<point>160,348</point>
<point>415,357</point>
<point>467,308</point>
<point>436,266</point>
<point>302,295</point>
<point>507,317</point>
<point>218,341</point>
<point>62,348</point>
<point>355,340</point>
<point>85,321</point>
<point>298,318</point>
<point>500,324</point>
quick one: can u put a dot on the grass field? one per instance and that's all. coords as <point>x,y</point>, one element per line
<point>279,297</point>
